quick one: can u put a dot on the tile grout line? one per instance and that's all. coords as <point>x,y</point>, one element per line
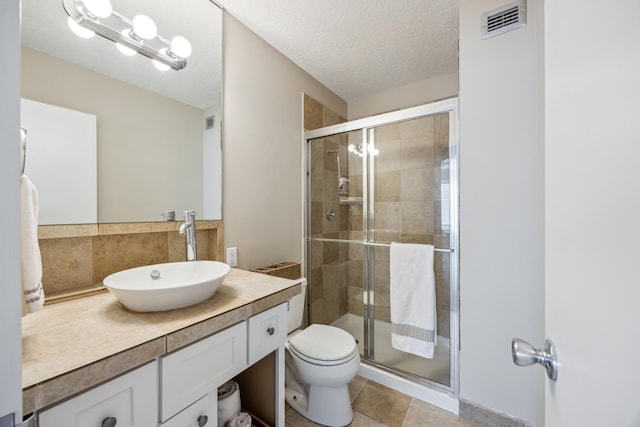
<point>404,417</point>
<point>359,391</point>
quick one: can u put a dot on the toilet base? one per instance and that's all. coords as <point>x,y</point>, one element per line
<point>330,406</point>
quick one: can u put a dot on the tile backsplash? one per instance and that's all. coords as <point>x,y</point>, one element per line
<point>76,258</point>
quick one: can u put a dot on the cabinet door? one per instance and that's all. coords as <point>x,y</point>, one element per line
<point>267,332</point>
<point>203,413</point>
<point>199,369</point>
<point>131,400</point>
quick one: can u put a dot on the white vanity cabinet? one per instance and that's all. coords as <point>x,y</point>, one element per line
<point>180,388</point>
<point>200,368</point>
<point>268,331</point>
<point>203,413</point>
<point>262,384</point>
<point>131,400</point>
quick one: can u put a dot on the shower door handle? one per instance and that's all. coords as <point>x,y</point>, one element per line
<point>524,354</point>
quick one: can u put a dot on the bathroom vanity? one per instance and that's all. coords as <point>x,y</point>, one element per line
<point>92,362</point>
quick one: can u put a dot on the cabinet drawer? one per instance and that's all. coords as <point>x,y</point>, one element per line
<point>267,331</point>
<point>132,399</point>
<point>191,417</point>
<point>199,369</point>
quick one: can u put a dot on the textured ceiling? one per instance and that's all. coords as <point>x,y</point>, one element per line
<point>358,47</point>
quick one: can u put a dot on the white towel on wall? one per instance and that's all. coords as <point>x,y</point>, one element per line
<point>31,262</point>
<point>413,299</point>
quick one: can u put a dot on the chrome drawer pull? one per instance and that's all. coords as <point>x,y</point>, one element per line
<point>109,422</point>
<point>271,330</point>
<point>202,420</point>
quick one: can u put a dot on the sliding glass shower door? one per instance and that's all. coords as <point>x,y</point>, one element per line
<point>371,182</point>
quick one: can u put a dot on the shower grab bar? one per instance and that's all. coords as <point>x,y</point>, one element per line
<point>322,239</point>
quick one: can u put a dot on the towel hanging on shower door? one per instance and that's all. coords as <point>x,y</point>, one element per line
<point>413,299</point>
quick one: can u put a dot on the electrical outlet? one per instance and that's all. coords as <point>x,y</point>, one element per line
<point>232,257</point>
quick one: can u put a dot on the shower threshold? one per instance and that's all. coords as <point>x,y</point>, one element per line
<point>436,369</point>
<point>424,379</point>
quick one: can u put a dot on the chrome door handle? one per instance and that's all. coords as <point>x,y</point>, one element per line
<point>524,354</point>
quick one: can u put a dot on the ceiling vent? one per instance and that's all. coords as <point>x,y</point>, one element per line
<point>209,122</point>
<point>503,19</point>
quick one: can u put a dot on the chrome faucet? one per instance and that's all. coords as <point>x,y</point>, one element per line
<point>188,228</point>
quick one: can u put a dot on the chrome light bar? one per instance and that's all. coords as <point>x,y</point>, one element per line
<point>119,29</point>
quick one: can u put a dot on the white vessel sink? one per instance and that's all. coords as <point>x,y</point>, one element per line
<point>167,286</point>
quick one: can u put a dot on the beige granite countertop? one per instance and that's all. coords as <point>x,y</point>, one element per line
<point>72,346</point>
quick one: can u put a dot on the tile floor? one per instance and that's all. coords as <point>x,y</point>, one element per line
<point>375,405</point>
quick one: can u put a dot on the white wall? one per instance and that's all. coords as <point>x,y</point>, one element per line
<point>501,209</point>
<point>410,95</point>
<point>262,147</point>
<point>61,154</point>
<point>11,353</point>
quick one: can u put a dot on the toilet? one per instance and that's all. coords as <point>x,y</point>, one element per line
<point>320,360</point>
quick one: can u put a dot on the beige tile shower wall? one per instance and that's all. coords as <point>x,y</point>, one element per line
<point>76,258</point>
<point>329,261</point>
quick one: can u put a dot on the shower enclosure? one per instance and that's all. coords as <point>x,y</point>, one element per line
<point>370,182</point>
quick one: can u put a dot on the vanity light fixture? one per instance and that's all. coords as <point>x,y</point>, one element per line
<point>140,35</point>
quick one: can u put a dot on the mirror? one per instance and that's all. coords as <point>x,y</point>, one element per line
<point>158,132</point>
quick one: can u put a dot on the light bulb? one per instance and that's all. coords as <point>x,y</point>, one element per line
<point>125,50</point>
<point>98,8</point>
<point>78,30</point>
<point>144,27</point>
<point>160,66</point>
<point>372,150</point>
<point>181,47</point>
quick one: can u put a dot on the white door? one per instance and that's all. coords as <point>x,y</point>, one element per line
<point>10,342</point>
<point>592,192</point>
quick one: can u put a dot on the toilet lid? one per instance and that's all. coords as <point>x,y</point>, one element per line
<point>323,342</point>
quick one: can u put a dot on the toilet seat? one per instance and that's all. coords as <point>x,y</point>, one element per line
<point>323,345</point>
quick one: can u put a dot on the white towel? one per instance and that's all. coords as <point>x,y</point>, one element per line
<point>413,299</point>
<point>31,262</point>
<point>243,419</point>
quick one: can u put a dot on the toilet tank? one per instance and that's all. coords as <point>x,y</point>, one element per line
<point>296,308</point>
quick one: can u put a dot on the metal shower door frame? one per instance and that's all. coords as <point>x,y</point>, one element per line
<point>367,125</point>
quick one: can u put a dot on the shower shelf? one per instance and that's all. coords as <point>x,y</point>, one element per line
<point>350,200</point>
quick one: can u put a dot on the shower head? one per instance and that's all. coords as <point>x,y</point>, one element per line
<point>343,182</point>
<point>343,185</point>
